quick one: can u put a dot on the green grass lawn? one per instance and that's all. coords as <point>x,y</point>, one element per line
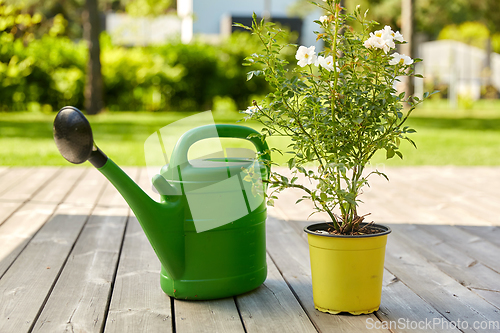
<point>444,136</point>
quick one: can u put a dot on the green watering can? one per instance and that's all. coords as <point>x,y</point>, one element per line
<point>208,230</point>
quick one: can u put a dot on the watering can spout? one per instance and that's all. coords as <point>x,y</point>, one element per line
<point>162,222</point>
<point>166,237</point>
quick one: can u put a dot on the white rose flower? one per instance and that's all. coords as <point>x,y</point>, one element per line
<point>400,59</point>
<point>305,56</point>
<point>376,42</point>
<point>251,110</point>
<point>387,35</point>
<point>387,32</point>
<point>323,19</point>
<point>398,37</point>
<point>381,39</point>
<point>326,63</point>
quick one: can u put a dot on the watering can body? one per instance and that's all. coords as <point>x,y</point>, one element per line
<point>224,217</point>
<point>208,230</point>
<point>224,261</point>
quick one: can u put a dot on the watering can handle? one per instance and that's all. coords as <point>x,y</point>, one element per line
<point>180,153</point>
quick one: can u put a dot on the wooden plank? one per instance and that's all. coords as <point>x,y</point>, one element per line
<point>418,195</point>
<point>478,180</point>
<point>470,244</point>
<point>7,208</point>
<point>466,270</point>
<point>51,192</point>
<point>12,177</point>
<point>17,231</point>
<point>25,286</point>
<point>79,299</point>
<point>467,188</point>
<point>290,253</point>
<point>207,316</point>
<point>403,311</point>
<point>450,199</point>
<point>389,201</point>
<point>138,304</point>
<point>491,296</point>
<point>88,189</point>
<point>413,200</point>
<point>489,233</point>
<point>375,201</point>
<point>27,283</point>
<point>453,301</point>
<point>3,169</point>
<point>272,307</point>
<point>57,189</point>
<point>29,184</point>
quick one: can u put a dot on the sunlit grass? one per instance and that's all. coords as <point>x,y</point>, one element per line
<point>444,136</point>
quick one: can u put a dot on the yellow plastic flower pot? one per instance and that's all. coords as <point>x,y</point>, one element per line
<point>347,270</point>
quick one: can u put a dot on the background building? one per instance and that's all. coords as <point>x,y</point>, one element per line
<point>209,20</point>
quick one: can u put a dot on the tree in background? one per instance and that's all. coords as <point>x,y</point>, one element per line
<point>33,71</point>
<point>93,85</point>
<point>84,21</point>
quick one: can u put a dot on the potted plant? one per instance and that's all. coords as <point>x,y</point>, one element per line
<point>339,107</point>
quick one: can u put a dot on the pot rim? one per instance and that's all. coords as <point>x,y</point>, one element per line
<point>319,226</point>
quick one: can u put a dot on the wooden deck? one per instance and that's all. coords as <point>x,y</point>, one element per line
<point>73,258</point>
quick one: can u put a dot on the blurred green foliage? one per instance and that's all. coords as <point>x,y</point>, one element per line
<point>34,72</point>
<point>472,33</point>
<point>47,73</point>
<point>50,72</point>
<point>177,76</point>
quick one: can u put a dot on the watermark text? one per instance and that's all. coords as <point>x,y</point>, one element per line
<point>434,325</point>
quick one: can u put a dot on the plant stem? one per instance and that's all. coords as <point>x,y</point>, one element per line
<point>334,56</point>
<point>308,191</point>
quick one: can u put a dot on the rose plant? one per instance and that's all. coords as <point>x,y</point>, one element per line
<point>339,106</point>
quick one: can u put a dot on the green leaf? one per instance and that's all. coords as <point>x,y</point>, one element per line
<point>390,153</point>
<point>411,141</point>
<point>397,141</point>
<point>382,174</point>
<point>241,26</point>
